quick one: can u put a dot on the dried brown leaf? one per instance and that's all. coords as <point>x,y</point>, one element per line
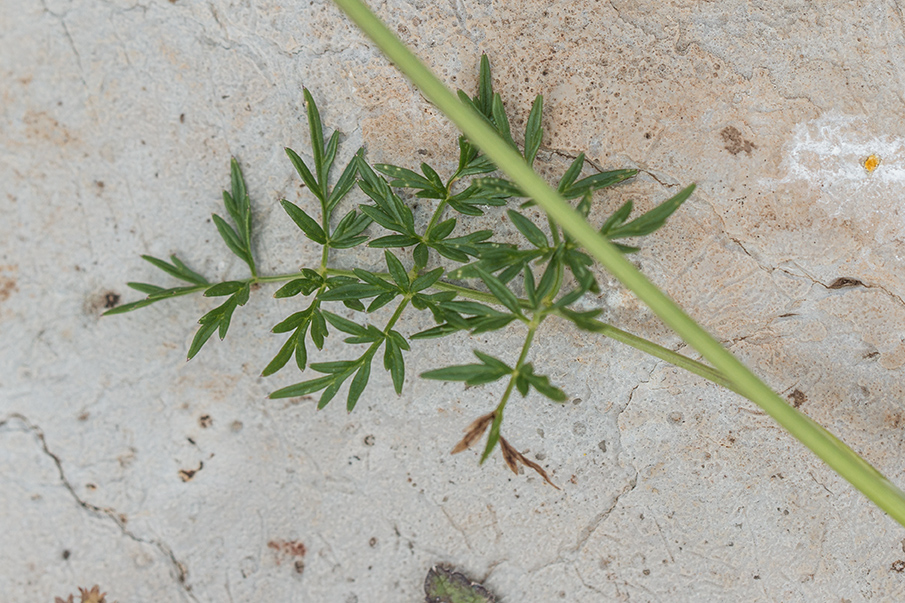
<point>537,468</point>
<point>59,600</point>
<point>510,454</point>
<point>92,596</point>
<point>473,433</point>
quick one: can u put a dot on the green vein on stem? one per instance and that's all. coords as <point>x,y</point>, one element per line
<point>845,461</point>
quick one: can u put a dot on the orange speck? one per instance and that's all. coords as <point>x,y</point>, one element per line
<point>871,163</point>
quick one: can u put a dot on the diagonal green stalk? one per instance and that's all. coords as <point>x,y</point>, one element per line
<point>825,445</point>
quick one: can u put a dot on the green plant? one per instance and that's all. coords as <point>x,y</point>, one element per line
<point>444,585</point>
<point>735,375</point>
<point>542,277</point>
<point>485,130</point>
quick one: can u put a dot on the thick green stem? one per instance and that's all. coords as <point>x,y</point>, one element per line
<point>845,461</point>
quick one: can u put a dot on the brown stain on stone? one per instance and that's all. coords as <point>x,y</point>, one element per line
<point>8,281</point>
<point>734,142</point>
<point>894,419</point>
<point>39,125</point>
<point>293,549</point>
<point>798,398</point>
<point>7,288</point>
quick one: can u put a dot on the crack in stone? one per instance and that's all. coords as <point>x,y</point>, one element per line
<point>491,567</point>
<point>461,532</point>
<point>861,283</point>
<point>585,583</point>
<point>179,568</point>
<point>569,556</point>
<point>68,35</point>
<point>804,274</point>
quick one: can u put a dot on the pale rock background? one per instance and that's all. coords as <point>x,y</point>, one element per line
<point>117,122</point>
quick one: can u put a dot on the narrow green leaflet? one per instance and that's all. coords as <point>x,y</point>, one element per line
<point>359,382</point>
<point>238,207</point>
<point>321,166</point>
<point>307,177</point>
<point>177,269</point>
<point>305,222</point>
<point>531,232</point>
<point>533,130</point>
<point>500,291</point>
<point>491,369</point>
<point>652,220</point>
<point>218,319</point>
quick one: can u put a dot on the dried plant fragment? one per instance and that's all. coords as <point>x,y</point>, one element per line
<point>513,456</point>
<point>92,595</point>
<point>474,432</point>
<point>510,455</point>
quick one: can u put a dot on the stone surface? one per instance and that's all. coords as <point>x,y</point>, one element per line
<point>174,481</point>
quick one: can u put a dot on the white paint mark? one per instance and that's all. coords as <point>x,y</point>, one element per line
<point>829,154</point>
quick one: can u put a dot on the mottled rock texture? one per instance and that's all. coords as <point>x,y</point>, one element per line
<point>159,480</point>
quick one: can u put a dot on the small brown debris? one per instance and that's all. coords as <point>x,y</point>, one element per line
<point>844,282</point>
<point>369,440</point>
<point>111,300</point>
<point>474,432</point>
<point>205,421</point>
<point>798,398</point>
<point>898,566</point>
<point>186,475</point>
<point>289,548</point>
